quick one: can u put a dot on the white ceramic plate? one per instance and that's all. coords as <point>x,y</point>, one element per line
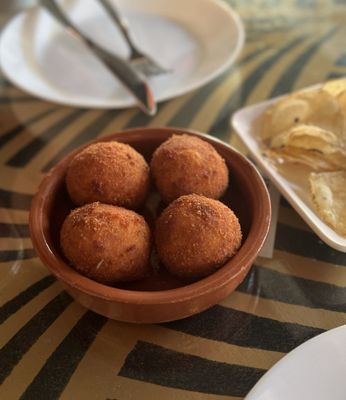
<point>291,180</point>
<point>197,39</point>
<point>315,370</point>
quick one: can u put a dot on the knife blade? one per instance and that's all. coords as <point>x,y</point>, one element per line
<point>133,80</point>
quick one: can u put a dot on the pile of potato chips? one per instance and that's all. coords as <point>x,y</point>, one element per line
<point>309,127</point>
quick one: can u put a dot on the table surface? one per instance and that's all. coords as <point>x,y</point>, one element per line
<point>51,347</point>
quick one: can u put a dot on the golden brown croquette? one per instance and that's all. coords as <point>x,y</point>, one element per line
<point>186,164</point>
<point>196,235</point>
<point>107,243</point>
<point>109,172</point>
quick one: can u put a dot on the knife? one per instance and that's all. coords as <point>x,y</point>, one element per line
<point>134,81</point>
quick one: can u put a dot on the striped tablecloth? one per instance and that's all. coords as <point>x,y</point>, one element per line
<point>51,347</point>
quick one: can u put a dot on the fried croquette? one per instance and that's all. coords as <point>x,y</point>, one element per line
<point>109,172</point>
<point>107,243</point>
<point>196,235</point>
<point>186,164</point>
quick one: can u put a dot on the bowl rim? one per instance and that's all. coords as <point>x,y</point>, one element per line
<point>72,278</point>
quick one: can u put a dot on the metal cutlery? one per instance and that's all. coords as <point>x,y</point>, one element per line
<point>138,59</point>
<point>133,80</point>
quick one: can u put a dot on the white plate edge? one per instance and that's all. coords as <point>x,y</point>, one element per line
<point>308,343</point>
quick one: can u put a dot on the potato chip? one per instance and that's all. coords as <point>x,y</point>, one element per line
<point>329,196</point>
<point>327,113</point>
<point>313,159</point>
<point>335,87</point>
<point>342,101</point>
<point>314,107</point>
<point>310,145</point>
<point>308,137</point>
<point>286,113</point>
<point>294,156</point>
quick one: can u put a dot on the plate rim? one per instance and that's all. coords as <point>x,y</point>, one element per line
<point>114,103</point>
<point>252,395</point>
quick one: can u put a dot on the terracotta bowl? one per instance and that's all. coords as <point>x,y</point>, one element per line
<point>161,297</point>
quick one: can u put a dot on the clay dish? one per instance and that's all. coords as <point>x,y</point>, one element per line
<point>161,297</point>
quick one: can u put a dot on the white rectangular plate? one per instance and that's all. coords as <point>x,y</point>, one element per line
<point>291,180</point>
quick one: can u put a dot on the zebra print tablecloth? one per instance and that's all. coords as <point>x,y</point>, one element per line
<point>51,347</point>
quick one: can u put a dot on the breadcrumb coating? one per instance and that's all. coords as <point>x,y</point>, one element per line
<point>186,164</point>
<point>109,172</point>
<point>107,243</point>
<point>196,235</point>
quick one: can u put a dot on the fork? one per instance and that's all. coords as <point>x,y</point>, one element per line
<point>139,60</point>
<point>132,79</point>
